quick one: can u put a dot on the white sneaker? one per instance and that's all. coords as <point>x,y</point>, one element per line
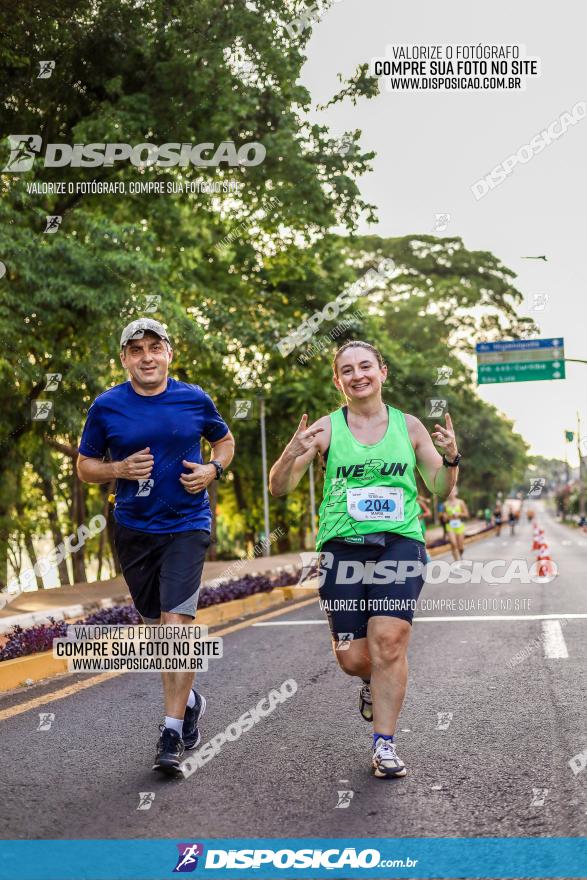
<point>386,763</point>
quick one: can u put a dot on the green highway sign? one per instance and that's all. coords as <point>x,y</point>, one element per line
<point>488,374</point>
<point>520,360</point>
<point>509,357</point>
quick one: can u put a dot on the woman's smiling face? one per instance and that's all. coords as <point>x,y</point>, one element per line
<point>358,374</point>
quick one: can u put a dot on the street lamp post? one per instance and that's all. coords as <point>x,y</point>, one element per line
<point>581,469</point>
<point>266,543</point>
<point>312,503</point>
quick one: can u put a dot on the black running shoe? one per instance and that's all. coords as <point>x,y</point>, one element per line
<point>190,734</point>
<point>366,701</point>
<point>170,751</point>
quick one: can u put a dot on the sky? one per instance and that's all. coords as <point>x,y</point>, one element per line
<point>432,146</point>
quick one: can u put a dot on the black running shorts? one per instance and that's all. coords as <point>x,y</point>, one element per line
<point>162,571</point>
<point>359,581</point>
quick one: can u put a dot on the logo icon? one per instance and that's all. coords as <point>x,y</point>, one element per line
<point>309,560</point>
<point>52,380</point>
<point>23,150</point>
<point>242,409</point>
<point>53,223</point>
<point>536,487</point>
<point>444,719</point>
<point>188,857</point>
<point>441,221</point>
<point>345,145</point>
<point>344,642</point>
<point>145,487</point>
<point>444,374</point>
<point>538,797</point>
<point>578,762</point>
<point>46,719</point>
<point>151,302</point>
<point>344,799</point>
<point>146,799</point>
<point>41,410</point>
<point>46,68</point>
<point>539,302</point>
<point>436,408</point>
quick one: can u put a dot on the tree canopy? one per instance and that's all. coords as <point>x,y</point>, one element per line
<point>230,272</point>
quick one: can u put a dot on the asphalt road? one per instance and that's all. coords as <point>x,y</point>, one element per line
<point>500,767</point>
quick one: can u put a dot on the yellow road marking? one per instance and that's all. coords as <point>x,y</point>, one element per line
<point>58,695</point>
<point>98,679</point>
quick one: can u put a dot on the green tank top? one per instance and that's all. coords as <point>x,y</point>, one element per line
<point>369,488</point>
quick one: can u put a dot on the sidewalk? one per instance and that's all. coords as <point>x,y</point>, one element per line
<point>77,600</point>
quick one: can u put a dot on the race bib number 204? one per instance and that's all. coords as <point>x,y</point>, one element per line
<point>376,503</point>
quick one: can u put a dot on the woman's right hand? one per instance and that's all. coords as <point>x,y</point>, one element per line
<point>303,439</point>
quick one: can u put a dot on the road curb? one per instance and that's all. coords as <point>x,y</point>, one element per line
<point>35,667</point>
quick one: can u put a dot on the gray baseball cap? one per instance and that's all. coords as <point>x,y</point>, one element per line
<point>137,329</point>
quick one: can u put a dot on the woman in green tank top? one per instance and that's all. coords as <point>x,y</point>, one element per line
<point>456,509</point>
<point>372,548</point>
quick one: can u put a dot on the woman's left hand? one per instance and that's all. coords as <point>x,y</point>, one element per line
<point>444,438</point>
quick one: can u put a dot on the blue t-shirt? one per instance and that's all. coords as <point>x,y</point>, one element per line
<point>170,424</point>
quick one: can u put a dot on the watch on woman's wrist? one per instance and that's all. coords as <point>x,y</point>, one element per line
<point>454,463</point>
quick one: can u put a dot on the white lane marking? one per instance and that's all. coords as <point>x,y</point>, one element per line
<point>442,619</point>
<point>555,647</point>
<point>291,623</point>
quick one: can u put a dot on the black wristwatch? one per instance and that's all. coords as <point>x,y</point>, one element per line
<point>454,463</point>
<point>219,469</point>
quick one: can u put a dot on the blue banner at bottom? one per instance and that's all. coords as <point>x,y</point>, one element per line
<point>484,857</point>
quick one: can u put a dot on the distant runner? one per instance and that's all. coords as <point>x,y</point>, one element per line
<point>151,425</point>
<point>455,510</point>
<point>369,522</point>
<point>498,516</point>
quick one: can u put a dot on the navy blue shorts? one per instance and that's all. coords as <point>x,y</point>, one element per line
<point>359,581</point>
<point>162,571</point>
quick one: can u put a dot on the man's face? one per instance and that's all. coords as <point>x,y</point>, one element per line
<point>147,360</point>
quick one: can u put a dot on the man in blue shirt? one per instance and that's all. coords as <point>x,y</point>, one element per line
<point>151,428</point>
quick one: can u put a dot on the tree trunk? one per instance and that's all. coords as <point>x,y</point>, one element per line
<point>30,549</point>
<point>242,506</point>
<point>78,556</point>
<point>105,489</point>
<point>55,527</point>
<point>110,533</point>
<point>280,519</point>
<point>33,578</point>
<point>4,540</point>
<point>302,528</point>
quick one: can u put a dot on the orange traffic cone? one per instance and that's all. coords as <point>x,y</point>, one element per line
<point>545,565</point>
<point>538,537</point>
